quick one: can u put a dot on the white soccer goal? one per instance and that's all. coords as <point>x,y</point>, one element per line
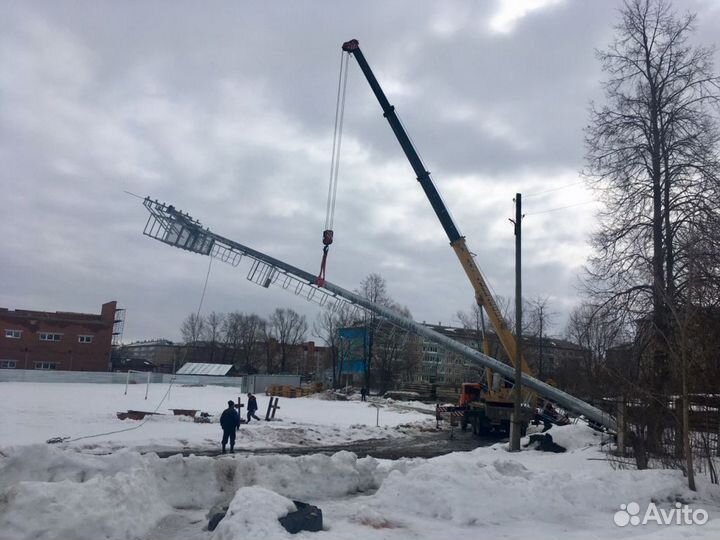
<point>147,387</point>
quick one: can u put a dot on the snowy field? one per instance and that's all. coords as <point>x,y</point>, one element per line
<point>74,491</point>
<point>36,412</point>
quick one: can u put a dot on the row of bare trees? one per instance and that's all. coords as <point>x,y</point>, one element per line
<point>538,320</point>
<point>390,355</point>
<point>248,340</point>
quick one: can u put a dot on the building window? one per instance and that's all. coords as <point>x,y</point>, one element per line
<point>45,365</point>
<point>85,339</point>
<point>8,364</point>
<point>13,334</point>
<point>46,336</point>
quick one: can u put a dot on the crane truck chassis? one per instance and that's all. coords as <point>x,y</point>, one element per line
<point>486,416</point>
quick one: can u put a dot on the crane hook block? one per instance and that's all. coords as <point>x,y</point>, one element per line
<point>327,237</point>
<point>351,45</point>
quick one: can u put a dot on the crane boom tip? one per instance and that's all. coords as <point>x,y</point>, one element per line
<point>351,45</point>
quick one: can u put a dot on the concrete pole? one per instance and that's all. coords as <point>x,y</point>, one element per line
<point>517,405</point>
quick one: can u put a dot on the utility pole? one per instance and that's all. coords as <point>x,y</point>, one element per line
<point>540,362</point>
<point>517,408</point>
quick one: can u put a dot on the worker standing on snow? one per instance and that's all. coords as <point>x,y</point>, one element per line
<point>230,422</point>
<point>252,406</point>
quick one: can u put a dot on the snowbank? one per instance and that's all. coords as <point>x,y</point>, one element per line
<point>53,492</point>
<point>576,436</point>
<point>253,513</point>
<point>83,510</point>
<point>125,495</point>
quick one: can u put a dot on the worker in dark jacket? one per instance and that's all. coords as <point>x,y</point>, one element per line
<point>252,406</point>
<point>230,422</point>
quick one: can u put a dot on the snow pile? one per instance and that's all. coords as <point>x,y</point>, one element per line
<point>48,492</point>
<point>83,510</point>
<point>500,491</point>
<point>253,513</point>
<point>53,492</point>
<point>456,490</point>
<point>45,463</point>
<point>202,481</point>
<point>576,436</point>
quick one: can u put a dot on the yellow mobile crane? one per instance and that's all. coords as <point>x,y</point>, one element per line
<point>486,405</point>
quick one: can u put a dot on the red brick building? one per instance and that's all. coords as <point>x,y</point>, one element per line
<point>57,340</point>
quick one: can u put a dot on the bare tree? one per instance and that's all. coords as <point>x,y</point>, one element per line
<point>231,331</point>
<point>192,328</point>
<point>397,354</point>
<point>596,329</point>
<point>538,318</point>
<point>213,331</point>
<point>250,335</point>
<point>327,327</point>
<point>391,353</point>
<point>457,369</point>
<point>374,288</point>
<point>652,157</point>
<point>695,365</point>
<point>269,342</point>
<point>474,320</point>
<point>289,328</point>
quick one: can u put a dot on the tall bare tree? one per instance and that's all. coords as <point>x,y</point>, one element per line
<point>374,288</point>
<point>269,342</point>
<point>397,354</point>
<point>327,327</point>
<point>289,328</point>
<point>250,330</point>
<point>597,329</point>
<point>213,332</point>
<point>538,319</point>
<point>231,324</point>
<point>652,157</point>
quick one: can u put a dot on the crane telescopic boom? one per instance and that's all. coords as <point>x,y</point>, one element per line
<point>482,292</point>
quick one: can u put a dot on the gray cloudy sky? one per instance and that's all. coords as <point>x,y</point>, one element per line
<point>225,109</point>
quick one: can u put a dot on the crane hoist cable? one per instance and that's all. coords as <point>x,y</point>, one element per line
<point>327,238</point>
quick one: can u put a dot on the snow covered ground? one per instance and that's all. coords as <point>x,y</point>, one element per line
<point>51,491</point>
<point>36,412</point>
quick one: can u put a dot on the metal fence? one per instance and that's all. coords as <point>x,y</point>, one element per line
<point>704,427</point>
<point>248,383</point>
<point>100,377</point>
<point>258,383</point>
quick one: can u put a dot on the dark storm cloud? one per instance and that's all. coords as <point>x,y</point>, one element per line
<point>225,109</point>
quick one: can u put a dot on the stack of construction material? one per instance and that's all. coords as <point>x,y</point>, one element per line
<point>282,390</point>
<point>313,388</point>
<point>289,391</point>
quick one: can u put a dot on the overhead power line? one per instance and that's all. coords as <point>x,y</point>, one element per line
<point>559,208</point>
<point>553,189</point>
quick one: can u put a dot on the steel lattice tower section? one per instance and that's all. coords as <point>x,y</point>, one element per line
<point>179,229</point>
